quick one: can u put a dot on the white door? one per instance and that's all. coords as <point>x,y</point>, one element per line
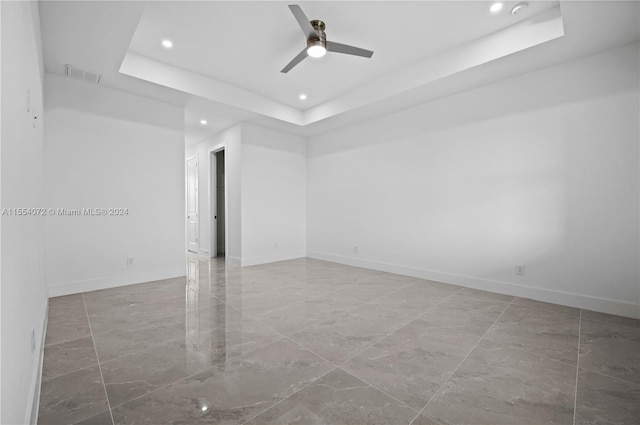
<point>192,205</point>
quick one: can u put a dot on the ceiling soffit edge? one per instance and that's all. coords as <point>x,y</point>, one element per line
<point>537,30</point>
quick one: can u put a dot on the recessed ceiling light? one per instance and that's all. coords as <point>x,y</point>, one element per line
<point>496,7</point>
<point>520,7</point>
<point>303,96</point>
<point>167,44</point>
<point>203,122</point>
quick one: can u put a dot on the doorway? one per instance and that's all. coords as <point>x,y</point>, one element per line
<point>193,242</point>
<point>218,203</point>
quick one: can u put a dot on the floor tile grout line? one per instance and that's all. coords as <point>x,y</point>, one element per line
<point>463,360</point>
<point>300,345</point>
<point>83,420</point>
<point>108,330</point>
<point>124,302</point>
<point>404,286</point>
<point>514,347</point>
<point>98,360</point>
<point>404,324</point>
<point>611,377</point>
<point>556,360</point>
<point>413,318</point>
<point>148,321</point>
<point>442,301</point>
<point>368,346</point>
<point>69,373</point>
<point>285,336</point>
<point>154,345</point>
<point>636,327</point>
<point>162,387</point>
<point>564,362</point>
<point>378,389</point>
<point>324,319</point>
<point>289,396</point>
<point>575,399</point>
<point>66,340</point>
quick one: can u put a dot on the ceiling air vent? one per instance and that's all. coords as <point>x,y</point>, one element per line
<point>78,74</point>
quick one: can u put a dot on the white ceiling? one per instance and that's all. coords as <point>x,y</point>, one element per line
<point>226,60</point>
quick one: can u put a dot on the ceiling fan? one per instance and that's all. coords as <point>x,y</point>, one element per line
<point>317,43</point>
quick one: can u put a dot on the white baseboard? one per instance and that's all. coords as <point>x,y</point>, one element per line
<point>272,258</point>
<point>80,286</point>
<point>234,261</point>
<point>604,305</point>
<point>31,415</point>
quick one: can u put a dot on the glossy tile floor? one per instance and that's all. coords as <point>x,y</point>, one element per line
<point>312,342</point>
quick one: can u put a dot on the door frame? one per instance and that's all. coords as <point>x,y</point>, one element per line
<point>186,203</point>
<point>213,228</point>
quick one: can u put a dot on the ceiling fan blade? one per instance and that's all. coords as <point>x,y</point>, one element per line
<point>303,21</point>
<point>349,50</point>
<point>295,61</point>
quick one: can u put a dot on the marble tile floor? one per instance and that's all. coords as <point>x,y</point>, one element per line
<point>313,342</point>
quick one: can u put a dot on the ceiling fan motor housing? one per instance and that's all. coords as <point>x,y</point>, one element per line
<point>321,40</point>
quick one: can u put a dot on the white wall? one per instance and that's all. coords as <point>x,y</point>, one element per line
<point>23,293</point>
<point>228,139</point>
<point>539,170</point>
<point>273,195</point>
<point>110,149</point>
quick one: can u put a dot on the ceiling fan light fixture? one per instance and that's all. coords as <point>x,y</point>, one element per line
<point>316,49</point>
<point>317,44</point>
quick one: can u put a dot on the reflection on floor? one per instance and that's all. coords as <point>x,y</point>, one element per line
<point>312,342</point>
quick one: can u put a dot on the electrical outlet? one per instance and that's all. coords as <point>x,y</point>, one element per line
<point>355,249</point>
<point>33,340</point>
<point>519,270</point>
<point>130,261</point>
